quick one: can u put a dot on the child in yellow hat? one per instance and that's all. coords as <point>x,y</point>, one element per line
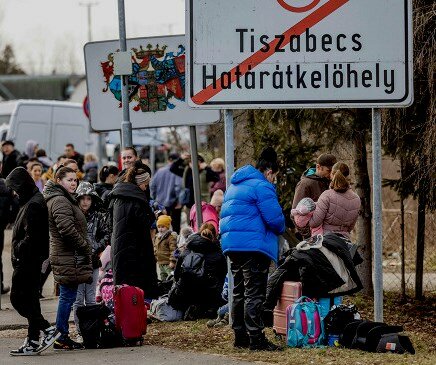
<point>165,243</point>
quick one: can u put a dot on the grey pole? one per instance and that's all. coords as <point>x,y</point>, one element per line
<point>152,159</point>
<point>377,214</point>
<point>126,126</point>
<point>196,175</point>
<point>230,168</point>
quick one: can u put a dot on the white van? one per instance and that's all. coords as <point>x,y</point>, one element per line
<point>52,124</point>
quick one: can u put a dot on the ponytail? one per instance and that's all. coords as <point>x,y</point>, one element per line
<point>208,231</point>
<point>340,181</point>
<point>106,171</point>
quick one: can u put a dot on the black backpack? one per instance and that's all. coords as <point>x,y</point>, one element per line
<point>375,337</point>
<point>339,317</point>
<point>96,327</point>
<point>193,266</point>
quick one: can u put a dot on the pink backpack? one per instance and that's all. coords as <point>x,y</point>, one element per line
<point>210,215</point>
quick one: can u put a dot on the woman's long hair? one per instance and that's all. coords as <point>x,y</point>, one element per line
<point>341,180</point>
<point>137,169</point>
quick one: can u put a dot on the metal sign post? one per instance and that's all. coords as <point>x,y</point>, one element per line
<point>377,215</point>
<point>126,125</point>
<point>196,175</point>
<point>230,168</point>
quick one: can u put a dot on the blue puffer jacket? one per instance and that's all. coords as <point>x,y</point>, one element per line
<point>251,217</point>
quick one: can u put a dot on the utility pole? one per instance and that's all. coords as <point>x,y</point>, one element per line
<point>101,136</point>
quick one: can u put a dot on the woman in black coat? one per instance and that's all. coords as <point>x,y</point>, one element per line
<point>199,276</point>
<point>30,247</point>
<point>132,252</point>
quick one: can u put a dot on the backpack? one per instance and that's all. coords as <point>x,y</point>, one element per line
<point>304,324</point>
<point>193,265</point>
<point>161,310</point>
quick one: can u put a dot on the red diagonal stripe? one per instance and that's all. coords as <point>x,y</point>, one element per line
<point>258,57</point>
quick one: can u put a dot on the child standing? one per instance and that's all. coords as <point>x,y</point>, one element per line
<point>98,235</point>
<point>165,243</point>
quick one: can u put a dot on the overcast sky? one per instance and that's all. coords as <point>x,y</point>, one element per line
<point>50,34</point>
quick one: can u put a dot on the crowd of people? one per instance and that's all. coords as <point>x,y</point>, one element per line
<point>126,228</point>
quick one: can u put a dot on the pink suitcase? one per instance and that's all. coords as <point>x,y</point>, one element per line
<point>130,313</point>
<point>291,291</point>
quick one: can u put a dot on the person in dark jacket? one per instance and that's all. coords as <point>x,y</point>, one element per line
<point>8,212</point>
<point>133,260</point>
<point>70,250</point>
<point>90,168</point>
<point>10,158</point>
<point>98,235</point>
<point>30,247</point>
<point>71,153</point>
<point>108,177</point>
<point>251,220</point>
<point>313,183</point>
<point>183,167</point>
<point>199,295</point>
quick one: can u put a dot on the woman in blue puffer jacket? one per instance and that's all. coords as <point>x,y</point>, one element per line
<point>251,220</point>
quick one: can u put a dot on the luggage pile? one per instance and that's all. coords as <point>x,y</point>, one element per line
<point>316,323</point>
<point>124,326</point>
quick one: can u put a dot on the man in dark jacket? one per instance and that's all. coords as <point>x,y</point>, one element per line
<point>71,153</point>
<point>10,158</point>
<point>313,183</point>
<point>183,167</point>
<point>30,246</point>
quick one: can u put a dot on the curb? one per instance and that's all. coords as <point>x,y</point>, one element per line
<point>12,327</point>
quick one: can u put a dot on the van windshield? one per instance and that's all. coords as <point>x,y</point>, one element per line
<point>4,118</point>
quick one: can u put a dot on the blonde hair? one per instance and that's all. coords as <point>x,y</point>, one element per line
<point>89,157</point>
<point>341,180</point>
<point>217,164</point>
<point>208,231</point>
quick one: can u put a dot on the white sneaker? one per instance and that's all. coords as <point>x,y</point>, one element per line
<point>51,334</point>
<point>29,348</point>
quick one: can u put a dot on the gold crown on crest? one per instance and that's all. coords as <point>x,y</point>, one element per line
<point>143,53</point>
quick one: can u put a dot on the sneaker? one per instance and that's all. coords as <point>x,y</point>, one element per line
<point>223,321</point>
<point>212,322</point>
<point>67,344</point>
<point>79,339</point>
<point>261,343</point>
<point>28,348</point>
<point>51,334</point>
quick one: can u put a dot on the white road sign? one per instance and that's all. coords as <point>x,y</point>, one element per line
<point>156,85</point>
<point>295,53</point>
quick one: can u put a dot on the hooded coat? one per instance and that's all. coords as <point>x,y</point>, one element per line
<point>30,244</point>
<point>30,237</point>
<point>70,250</point>
<point>205,291</point>
<point>98,231</point>
<point>133,260</point>
<point>251,217</point>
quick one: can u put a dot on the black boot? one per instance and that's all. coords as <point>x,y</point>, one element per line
<point>242,340</point>
<point>261,343</point>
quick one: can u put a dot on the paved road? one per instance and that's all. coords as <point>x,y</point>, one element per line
<point>145,355</point>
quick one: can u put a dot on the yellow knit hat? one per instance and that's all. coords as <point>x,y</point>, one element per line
<point>164,220</point>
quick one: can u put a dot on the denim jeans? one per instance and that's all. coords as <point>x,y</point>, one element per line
<point>67,296</point>
<point>85,296</point>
